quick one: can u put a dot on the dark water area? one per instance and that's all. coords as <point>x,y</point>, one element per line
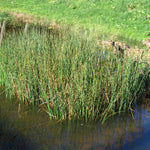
<point>23,128</point>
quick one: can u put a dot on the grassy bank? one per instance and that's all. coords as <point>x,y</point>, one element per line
<point>127,18</point>
<point>70,74</point>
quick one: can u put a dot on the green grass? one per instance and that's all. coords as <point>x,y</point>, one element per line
<point>69,74</point>
<point>126,18</point>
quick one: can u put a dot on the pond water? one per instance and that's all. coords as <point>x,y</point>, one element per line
<point>23,128</point>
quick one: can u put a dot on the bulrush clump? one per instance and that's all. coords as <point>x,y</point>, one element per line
<point>114,44</point>
<point>71,77</point>
<point>135,53</point>
<point>121,45</point>
<point>147,43</point>
<point>105,44</point>
<point>117,46</point>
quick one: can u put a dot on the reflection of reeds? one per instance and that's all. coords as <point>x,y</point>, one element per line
<point>72,78</point>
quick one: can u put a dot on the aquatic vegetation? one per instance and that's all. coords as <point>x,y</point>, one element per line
<point>147,43</point>
<point>69,74</point>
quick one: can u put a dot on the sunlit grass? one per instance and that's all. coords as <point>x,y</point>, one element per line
<point>127,18</point>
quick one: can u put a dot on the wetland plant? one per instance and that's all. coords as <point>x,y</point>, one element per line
<point>70,76</point>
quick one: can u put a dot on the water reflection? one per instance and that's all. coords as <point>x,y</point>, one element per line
<point>32,130</point>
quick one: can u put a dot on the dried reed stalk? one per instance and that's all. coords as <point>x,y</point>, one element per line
<point>2,31</point>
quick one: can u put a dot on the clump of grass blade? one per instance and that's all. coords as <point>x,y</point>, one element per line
<point>70,76</point>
